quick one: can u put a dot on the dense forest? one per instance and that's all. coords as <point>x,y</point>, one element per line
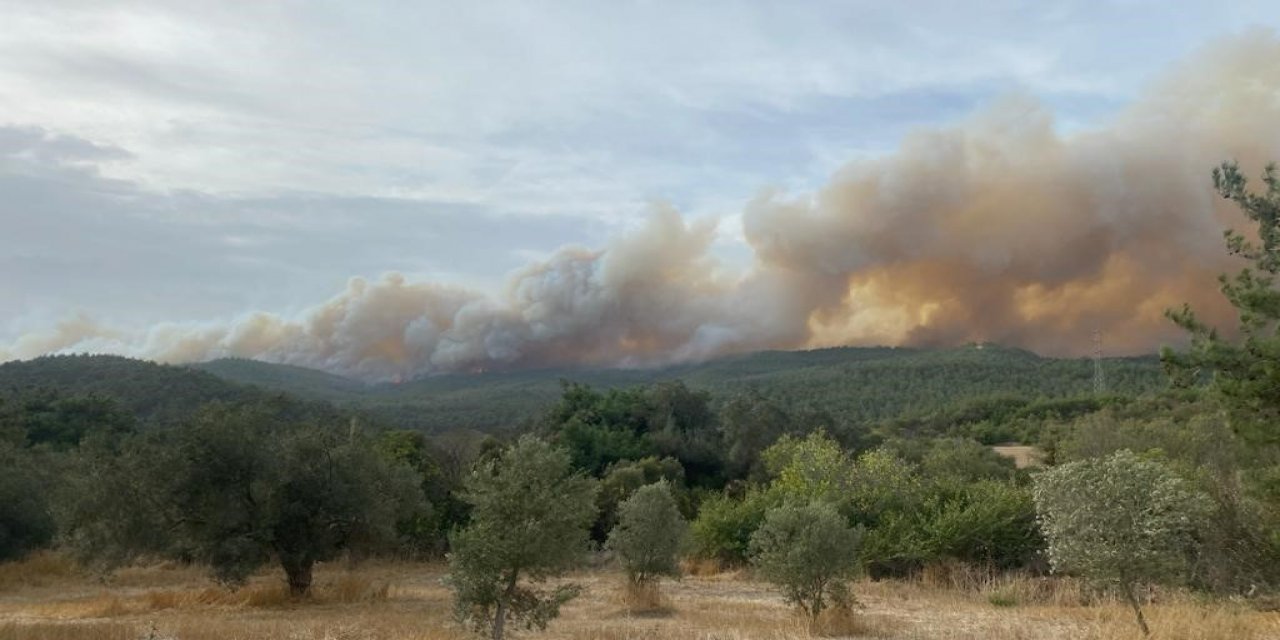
<point>852,384</point>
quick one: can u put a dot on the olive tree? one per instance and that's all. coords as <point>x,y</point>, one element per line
<point>530,519</point>
<point>1120,520</point>
<point>648,535</point>
<point>236,488</point>
<point>810,552</point>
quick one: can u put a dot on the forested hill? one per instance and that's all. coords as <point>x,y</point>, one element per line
<point>852,384</point>
<point>153,393</point>
<point>298,381</point>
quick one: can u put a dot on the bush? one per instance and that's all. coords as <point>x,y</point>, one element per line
<point>991,523</point>
<point>649,534</point>
<point>1121,520</point>
<point>965,460</point>
<point>810,553</point>
<point>724,525</point>
<point>624,478</point>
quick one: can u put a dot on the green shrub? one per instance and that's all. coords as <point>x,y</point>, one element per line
<point>810,552</point>
<point>724,525</point>
<point>649,534</point>
<point>991,523</point>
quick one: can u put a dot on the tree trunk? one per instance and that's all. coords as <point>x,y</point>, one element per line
<point>298,573</point>
<point>500,616</point>
<point>1137,609</point>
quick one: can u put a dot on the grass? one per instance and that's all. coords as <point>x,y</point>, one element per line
<point>644,599</point>
<point>384,601</point>
<point>39,569</point>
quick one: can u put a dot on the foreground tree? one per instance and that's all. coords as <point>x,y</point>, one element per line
<point>237,488</point>
<point>1119,520</point>
<point>530,516</point>
<point>1244,381</point>
<point>648,537</point>
<point>1244,371</point>
<point>810,553</point>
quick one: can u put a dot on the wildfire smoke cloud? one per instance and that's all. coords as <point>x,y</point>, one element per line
<point>1000,229</point>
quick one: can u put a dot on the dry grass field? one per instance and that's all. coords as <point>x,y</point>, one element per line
<point>46,598</point>
<point>1024,457</point>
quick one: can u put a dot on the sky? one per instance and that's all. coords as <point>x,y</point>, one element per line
<point>191,162</point>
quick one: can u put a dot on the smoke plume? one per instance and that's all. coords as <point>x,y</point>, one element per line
<point>1000,228</point>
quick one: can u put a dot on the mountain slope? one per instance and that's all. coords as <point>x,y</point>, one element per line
<point>298,381</point>
<point>155,393</point>
<point>853,384</point>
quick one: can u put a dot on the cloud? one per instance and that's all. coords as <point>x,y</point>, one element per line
<point>998,228</point>
<point>75,241</point>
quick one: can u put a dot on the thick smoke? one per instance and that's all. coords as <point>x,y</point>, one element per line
<point>999,229</point>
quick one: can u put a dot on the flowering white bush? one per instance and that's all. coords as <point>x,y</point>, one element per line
<point>1122,519</point>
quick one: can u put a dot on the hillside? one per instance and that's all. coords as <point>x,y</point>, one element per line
<point>298,381</point>
<point>853,384</point>
<point>156,394</point>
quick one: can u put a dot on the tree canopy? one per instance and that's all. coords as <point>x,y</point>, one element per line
<point>530,515</point>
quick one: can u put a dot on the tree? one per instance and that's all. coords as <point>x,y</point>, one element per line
<point>809,468</point>
<point>986,522</point>
<point>624,478</point>
<point>681,424</point>
<point>25,519</point>
<point>963,459</point>
<point>649,534</point>
<point>724,525</point>
<point>239,487</point>
<point>111,505</point>
<point>1244,371</point>
<point>46,419</point>
<point>749,423</point>
<point>1119,520</point>
<point>529,521</point>
<point>809,552</point>
<point>427,533</point>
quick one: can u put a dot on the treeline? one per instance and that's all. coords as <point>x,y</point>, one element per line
<point>862,384</point>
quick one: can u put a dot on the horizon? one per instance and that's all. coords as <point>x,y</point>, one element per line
<point>588,368</point>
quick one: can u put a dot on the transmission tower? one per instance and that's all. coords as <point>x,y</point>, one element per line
<point>1099,380</point>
